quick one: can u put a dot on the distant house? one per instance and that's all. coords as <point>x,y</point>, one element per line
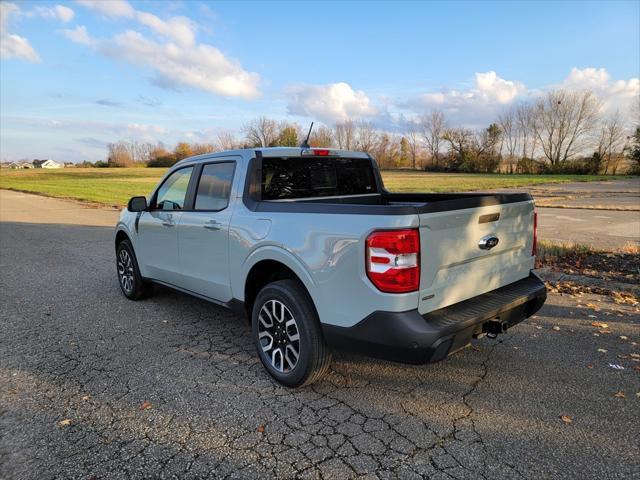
<point>46,164</point>
<point>11,165</point>
<point>25,165</point>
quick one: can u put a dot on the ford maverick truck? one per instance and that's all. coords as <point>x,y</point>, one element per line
<point>309,246</point>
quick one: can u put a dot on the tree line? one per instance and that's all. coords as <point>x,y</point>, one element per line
<point>559,132</point>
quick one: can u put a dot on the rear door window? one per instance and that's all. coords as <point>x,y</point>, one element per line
<point>291,178</point>
<point>214,187</point>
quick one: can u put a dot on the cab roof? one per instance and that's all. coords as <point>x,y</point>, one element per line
<point>279,152</point>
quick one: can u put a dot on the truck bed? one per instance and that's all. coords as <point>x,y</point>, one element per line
<point>390,203</point>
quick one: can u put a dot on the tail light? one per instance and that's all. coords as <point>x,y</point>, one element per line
<point>534,248</point>
<point>393,260</point>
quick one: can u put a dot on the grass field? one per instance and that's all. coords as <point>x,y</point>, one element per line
<point>114,186</point>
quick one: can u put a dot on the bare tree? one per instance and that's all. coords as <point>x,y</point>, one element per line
<point>321,137</point>
<point>563,119</point>
<point>226,141</point>
<point>344,134</point>
<point>366,136</point>
<point>412,135</point>
<point>611,142</point>
<point>525,116</point>
<point>386,151</point>
<point>510,136</point>
<point>119,154</point>
<point>261,132</point>
<point>433,127</point>
<point>200,148</point>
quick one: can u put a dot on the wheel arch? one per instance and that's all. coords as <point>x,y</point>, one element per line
<point>266,271</point>
<point>121,235</point>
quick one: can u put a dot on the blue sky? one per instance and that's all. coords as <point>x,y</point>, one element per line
<point>76,75</point>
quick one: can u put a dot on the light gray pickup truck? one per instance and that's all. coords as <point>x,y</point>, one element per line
<point>308,245</point>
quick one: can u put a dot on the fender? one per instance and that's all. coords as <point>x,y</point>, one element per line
<point>279,254</point>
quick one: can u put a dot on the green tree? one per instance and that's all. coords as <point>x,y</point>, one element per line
<point>288,136</point>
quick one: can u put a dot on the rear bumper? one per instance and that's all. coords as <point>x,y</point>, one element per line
<point>409,337</point>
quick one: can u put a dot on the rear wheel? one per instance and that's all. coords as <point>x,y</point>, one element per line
<point>287,334</point>
<point>131,282</point>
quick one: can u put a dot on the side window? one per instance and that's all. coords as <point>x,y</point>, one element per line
<point>173,191</point>
<point>214,187</point>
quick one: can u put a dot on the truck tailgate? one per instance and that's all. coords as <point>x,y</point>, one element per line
<point>455,268</point>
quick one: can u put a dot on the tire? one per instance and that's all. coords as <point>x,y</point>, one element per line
<point>314,357</point>
<point>133,286</point>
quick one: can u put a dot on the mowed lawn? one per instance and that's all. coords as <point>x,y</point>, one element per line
<point>114,186</point>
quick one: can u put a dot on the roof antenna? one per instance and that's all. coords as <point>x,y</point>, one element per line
<point>305,144</point>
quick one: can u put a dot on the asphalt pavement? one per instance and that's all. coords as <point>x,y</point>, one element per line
<point>95,386</point>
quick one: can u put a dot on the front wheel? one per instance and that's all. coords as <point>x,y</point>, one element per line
<point>131,282</point>
<point>287,334</point>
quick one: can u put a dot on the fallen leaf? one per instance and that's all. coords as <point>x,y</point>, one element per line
<point>566,418</point>
<point>538,327</point>
<point>590,365</point>
<point>602,350</point>
<point>634,355</point>
<point>596,334</point>
<point>556,328</point>
<point>65,423</point>
<point>604,332</point>
<point>637,394</point>
<point>619,394</point>
<point>599,325</point>
<point>146,406</point>
<point>592,316</point>
<point>86,398</point>
<point>624,337</point>
<point>261,429</point>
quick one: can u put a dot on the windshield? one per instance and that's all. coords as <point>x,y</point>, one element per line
<point>290,178</point>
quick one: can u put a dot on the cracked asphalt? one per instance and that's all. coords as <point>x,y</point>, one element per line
<point>93,386</point>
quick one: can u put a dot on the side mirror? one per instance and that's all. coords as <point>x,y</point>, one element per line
<point>137,204</point>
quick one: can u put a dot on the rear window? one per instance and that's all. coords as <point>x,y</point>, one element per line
<point>289,178</point>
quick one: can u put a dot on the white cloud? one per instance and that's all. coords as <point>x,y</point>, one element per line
<point>179,29</point>
<point>58,12</point>
<point>64,13</point>
<point>80,35</point>
<point>201,66</point>
<point>490,87</point>
<point>474,106</point>
<point>333,102</point>
<point>179,62</point>
<point>140,128</point>
<point>111,8</point>
<point>11,45</point>
<point>615,94</point>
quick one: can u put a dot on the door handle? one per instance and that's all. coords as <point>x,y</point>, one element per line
<point>212,225</point>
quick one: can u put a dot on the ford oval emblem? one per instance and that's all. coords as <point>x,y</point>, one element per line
<point>488,242</point>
